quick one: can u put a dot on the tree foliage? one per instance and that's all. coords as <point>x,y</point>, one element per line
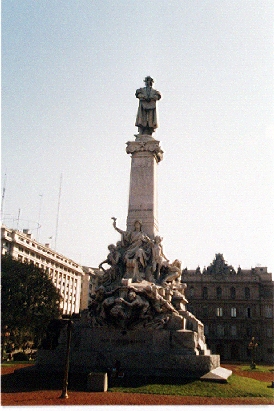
<point>29,299</point>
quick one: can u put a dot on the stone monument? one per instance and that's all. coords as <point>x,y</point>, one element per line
<point>146,153</point>
<point>137,316</point>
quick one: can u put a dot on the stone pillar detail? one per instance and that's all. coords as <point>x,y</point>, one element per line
<point>151,145</point>
<point>146,153</point>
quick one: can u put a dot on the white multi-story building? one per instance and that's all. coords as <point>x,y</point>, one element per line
<point>66,275</point>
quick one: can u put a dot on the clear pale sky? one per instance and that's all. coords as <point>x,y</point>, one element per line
<point>69,74</point>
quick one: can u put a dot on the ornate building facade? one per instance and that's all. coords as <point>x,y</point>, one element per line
<point>234,305</point>
<point>65,274</point>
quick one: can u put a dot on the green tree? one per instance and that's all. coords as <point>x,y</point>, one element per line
<point>29,300</point>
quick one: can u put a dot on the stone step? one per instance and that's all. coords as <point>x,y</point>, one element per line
<point>217,374</point>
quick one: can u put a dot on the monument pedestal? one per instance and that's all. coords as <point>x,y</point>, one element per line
<point>136,326</point>
<point>139,352</point>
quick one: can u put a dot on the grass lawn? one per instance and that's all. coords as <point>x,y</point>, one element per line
<point>259,368</point>
<point>235,387</point>
<point>13,363</point>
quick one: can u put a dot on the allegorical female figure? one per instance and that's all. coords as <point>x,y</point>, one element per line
<point>146,119</point>
<point>135,240</point>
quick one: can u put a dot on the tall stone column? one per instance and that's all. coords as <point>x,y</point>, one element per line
<point>146,153</point>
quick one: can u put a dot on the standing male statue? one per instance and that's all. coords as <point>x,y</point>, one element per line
<point>146,119</point>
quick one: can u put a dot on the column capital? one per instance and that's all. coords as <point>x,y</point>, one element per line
<point>150,145</point>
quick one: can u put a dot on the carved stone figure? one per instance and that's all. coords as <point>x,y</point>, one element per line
<point>143,306</point>
<point>174,272</point>
<point>137,250</point>
<point>96,308</point>
<point>160,304</point>
<point>136,304</point>
<point>158,257</point>
<point>146,119</point>
<point>112,258</point>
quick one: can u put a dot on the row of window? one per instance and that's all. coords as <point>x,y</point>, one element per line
<point>233,330</point>
<point>42,266</point>
<point>233,312</point>
<point>70,282</point>
<point>47,251</point>
<point>219,293</point>
<point>68,296</point>
<point>41,258</point>
<point>56,275</point>
<point>61,287</point>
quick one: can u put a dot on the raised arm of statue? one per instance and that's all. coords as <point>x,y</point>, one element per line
<point>116,228</point>
<point>101,265</point>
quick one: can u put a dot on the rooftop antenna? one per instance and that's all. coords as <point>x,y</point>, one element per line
<point>19,211</point>
<point>3,196</point>
<point>58,210</point>
<point>39,216</point>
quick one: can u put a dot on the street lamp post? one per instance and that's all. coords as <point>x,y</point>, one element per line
<point>64,393</point>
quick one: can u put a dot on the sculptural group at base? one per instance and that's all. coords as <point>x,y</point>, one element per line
<point>138,257</point>
<point>137,317</point>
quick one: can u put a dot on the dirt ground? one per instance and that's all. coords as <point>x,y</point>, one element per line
<point>12,395</point>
